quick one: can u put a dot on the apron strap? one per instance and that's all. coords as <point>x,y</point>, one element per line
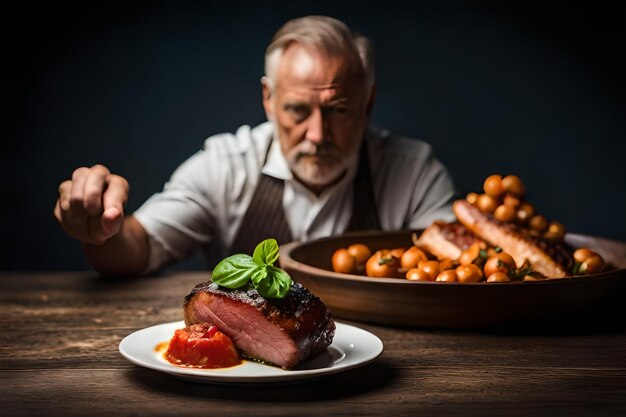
<point>364,212</point>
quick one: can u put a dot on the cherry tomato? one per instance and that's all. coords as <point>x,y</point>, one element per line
<point>446,264</point>
<point>469,273</point>
<point>383,264</point>
<point>498,277</point>
<point>582,254</point>
<point>470,254</point>
<point>343,262</point>
<point>412,257</point>
<point>471,198</point>
<point>524,212</point>
<point>493,186</point>
<point>431,268</point>
<point>486,203</point>
<point>500,262</point>
<point>504,213</point>
<point>592,265</point>
<point>448,275</point>
<point>555,232</point>
<point>415,274</point>
<point>397,252</point>
<point>538,223</point>
<point>512,184</point>
<point>511,200</point>
<point>361,253</point>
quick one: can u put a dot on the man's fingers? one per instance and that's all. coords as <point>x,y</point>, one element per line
<point>116,193</point>
<point>111,221</point>
<point>64,195</point>
<point>71,218</point>
<point>93,189</point>
<point>94,230</point>
<point>78,185</point>
<point>74,225</point>
<point>90,206</point>
<point>57,211</point>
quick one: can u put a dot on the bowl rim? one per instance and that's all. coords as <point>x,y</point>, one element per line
<point>286,260</point>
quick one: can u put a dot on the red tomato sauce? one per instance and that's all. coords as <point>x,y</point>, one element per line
<point>202,346</point>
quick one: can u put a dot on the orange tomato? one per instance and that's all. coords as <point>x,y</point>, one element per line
<point>361,254</point>
<point>592,265</point>
<point>343,262</point>
<point>383,264</point>
<point>512,184</point>
<point>504,213</point>
<point>498,277</point>
<point>470,254</point>
<point>582,254</point>
<point>538,223</point>
<point>511,200</point>
<point>469,273</point>
<point>431,268</point>
<point>415,274</point>
<point>500,262</point>
<point>493,186</point>
<point>486,203</point>
<point>524,212</point>
<point>555,232</point>
<point>449,275</point>
<point>397,252</point>
<point>471,198</point>
<point>412,257</point>
<point>447,264</point>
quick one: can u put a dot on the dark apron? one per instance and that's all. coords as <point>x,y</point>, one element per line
<point>265,217</point>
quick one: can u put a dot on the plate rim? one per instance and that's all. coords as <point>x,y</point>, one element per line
<point>375,350</point>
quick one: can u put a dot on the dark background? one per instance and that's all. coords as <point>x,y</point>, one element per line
<point>532,88</point>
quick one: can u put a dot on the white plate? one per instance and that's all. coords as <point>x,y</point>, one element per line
<point>352,347</point>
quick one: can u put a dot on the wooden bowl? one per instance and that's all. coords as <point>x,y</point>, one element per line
<point>392,301</point>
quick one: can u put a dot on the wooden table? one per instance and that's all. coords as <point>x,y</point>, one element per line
<point>60,333</point>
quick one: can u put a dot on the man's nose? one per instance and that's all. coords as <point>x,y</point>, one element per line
<point>316,129</point>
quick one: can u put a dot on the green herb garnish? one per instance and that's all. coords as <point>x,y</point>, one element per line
<point>237,271</point>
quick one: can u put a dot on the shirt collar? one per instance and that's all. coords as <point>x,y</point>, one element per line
<point>276,166</point>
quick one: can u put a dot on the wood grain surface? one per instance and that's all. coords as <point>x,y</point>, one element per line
<point>59,337</point>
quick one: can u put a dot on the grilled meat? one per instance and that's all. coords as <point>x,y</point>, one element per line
<point>553,260</point>
<point>446,240</point>
<point>283,332</point>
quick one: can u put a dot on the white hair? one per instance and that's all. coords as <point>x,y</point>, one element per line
<point>329,36</point>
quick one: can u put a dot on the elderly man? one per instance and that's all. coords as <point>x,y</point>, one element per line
<point>314,169</point>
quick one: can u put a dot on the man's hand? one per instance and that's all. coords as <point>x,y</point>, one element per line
<point>90,206</point>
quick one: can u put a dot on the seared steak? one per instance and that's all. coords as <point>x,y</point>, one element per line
<point>553,260</point>
<point>282,332</point>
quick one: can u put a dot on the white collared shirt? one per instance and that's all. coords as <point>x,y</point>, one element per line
<point>203,203</point>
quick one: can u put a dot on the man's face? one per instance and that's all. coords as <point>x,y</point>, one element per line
<point>319,113</point>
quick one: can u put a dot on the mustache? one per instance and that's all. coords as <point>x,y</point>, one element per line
<point>324,149</point>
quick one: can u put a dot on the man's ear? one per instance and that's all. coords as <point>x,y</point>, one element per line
<point>268,98</point>
<point>371,100</point>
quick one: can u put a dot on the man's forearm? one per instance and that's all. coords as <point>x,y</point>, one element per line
<point>125,254</point>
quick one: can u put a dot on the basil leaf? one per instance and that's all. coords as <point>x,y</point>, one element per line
<point>266,252</point>
<point>259,275</point>
<point>234,271</point>
<point>271,282</point>
<point>281,282</point>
